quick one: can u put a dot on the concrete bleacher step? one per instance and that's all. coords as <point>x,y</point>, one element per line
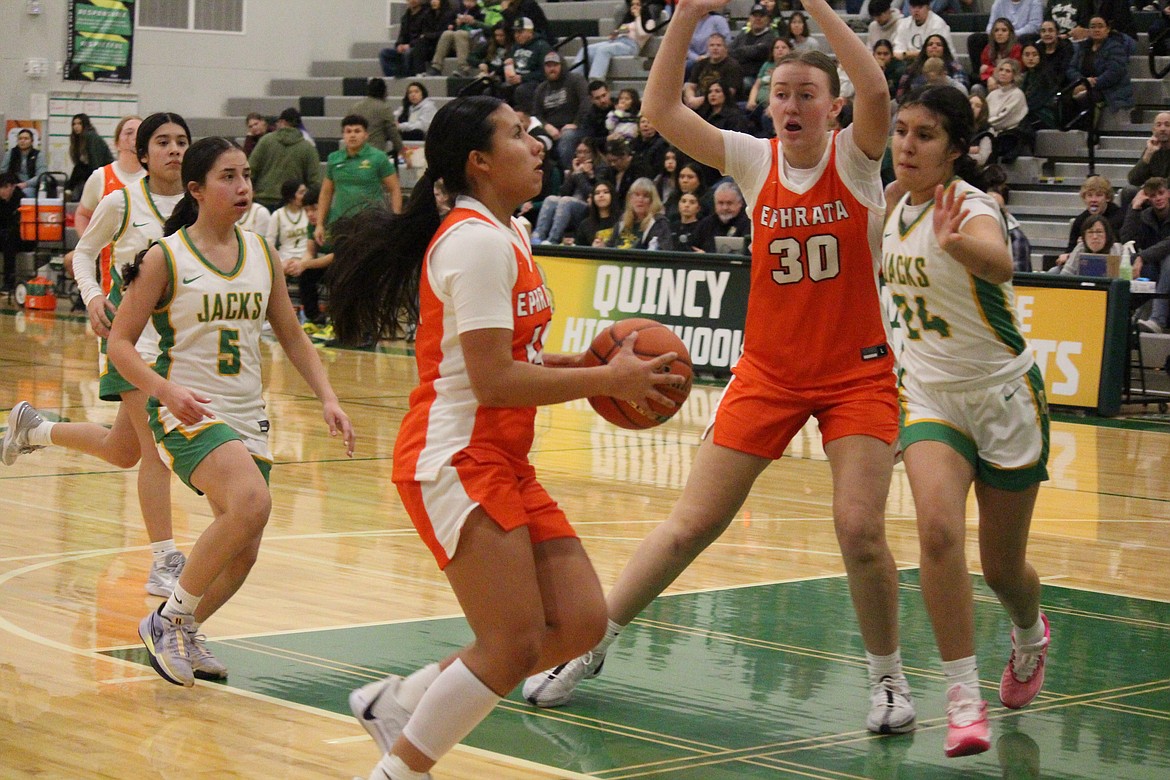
<point>1076,172</point>
<point>345,68</point>
<point>1047,231</point>
<point>335,107</point>
<point>1155,349</point>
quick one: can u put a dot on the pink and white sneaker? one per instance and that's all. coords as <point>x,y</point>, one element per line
<point>968,731</point>
<point>1023,677</point>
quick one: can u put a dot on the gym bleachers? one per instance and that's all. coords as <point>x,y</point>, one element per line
<point>1044,186</point>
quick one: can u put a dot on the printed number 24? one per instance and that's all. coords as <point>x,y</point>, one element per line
<point>926,320</point>
<point>821,251</point>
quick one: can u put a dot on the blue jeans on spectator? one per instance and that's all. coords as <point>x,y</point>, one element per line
<point>601,53</point>
<point>557,213</point>
<point>398,65</point>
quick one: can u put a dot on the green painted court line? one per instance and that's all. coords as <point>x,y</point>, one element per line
<point>767,681</point>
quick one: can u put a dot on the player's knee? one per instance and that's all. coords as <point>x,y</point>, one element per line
<point>252,508</point>
<point>124,458</point>
<point>861,535</point>
<point>939,539</point>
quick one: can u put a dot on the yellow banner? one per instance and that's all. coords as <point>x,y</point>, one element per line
<point>1066,330</point>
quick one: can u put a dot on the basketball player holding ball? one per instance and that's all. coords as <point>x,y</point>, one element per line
<point>814,340</point>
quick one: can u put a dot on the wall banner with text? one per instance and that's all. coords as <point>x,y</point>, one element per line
<point>101,41</point>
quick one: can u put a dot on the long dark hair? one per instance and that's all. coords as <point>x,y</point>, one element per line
<point>198,161</point>
<point>404,114</point>
<point>77,140</point>
<point>953,111</point>
<point>378,255</point>
<point>948,56</point>
<point>150,126</point>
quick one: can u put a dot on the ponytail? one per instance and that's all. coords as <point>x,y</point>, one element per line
<point>185,213</point>
<point>377,260</point>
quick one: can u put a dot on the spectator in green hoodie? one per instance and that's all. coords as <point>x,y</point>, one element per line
<point>280,156</point>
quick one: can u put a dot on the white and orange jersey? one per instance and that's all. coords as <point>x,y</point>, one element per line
<point>477,274</point>
<point>112,180</point>
<point>814,317</point>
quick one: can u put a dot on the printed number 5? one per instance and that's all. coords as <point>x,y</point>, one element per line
<point>823,260</point>
<point>229,352</point>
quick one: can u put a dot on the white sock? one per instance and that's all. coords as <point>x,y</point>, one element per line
<point>160,549</point>
<point>965,672</point>
<point>411,691</point>
<point>454,705</point>
<point>612,630</point>
<point>884,665</point>
<point>181,606</point>
<point>1031,635</point>
<point>41,436</point>
<point>391,767</point>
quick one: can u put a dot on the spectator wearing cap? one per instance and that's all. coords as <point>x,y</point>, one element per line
<point>523,68</point>
<point>557,102</point>
<point>282,155</point>
<point>625,169</point>
<point>626,40</point>
<point>883,22</point>
<point>511,10</point>
<point>753,46</point>
<point>408,55</point>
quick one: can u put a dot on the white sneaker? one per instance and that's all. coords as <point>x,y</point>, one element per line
<point>204,665</point>
<point>891,708</point>
<point>555,686</point>
<point>164,576</point>
<point>22,419</point>
<point>376,707</point>
<point>166,642</point>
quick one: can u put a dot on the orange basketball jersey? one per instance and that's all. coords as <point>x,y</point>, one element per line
<point>110,183</point>
<point>813,314</point>
<point>444,416</point>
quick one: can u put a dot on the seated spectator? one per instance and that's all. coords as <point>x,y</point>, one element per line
<point>524,66</point>
<point>559,101</point>
<point>417,112</point>
<point>1039,88</point>
<point>380,115</point>
<point>1155,159</point>
<point>10,242</point>
<point>666,182</point>
<point>1097,237</point>
<point>258,127</point>
<point>690,182</point>
<point>729,219</point>
<point>1116,12</point>
<point>933,46</point>
<point>592,119</point>
<point>1159,25</point>
<point>1003,45</point>
<point>560,214</point>
<point>25,162</point>
<point>597,226</point>
<point>513,10</point>
<point>798,33</point>
<point>1024,16</point>
<point>649,147</point>
<point>256,219</point>
<point>1102,60</point>
<point>717,66</point>
<point>1147,225</point>
<point>721,112</point>
<point>643,224</point>
<point>983,138</point>
<point>1055,52</point>
<point>883,54</point>
<point>914,31</point>
<point>1021,246</point>
<point>622,120</point>
<point>408,55</point>
<point>282,155</point>
<point>490,62</point>
<point>934,74</point>
<point>442,15</point>
<point>1006,109</point>
<point>309,268</point>
<point>625,169</point>
<point>1097,195</point>
<point>682,226</point>
<point>288,230</point>
<point>883,22</point>
<point>699,47</point>
<point>626,40</point>
<point>752,48</point>
<point>462,31</point>
<point>760,94</point>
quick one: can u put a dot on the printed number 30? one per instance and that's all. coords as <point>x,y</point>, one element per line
<point>823,260</point>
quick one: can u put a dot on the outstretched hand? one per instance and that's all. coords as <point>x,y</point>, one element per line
<point>638,380</point>
<point>948,215</point>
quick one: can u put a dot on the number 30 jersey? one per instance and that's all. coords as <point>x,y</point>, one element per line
<point>209,330</point>
<point>958,331</point>
<point>814,317</point>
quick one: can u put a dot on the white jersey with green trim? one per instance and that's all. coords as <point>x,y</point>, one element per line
<point>209,329</point>
<point>957,330</point>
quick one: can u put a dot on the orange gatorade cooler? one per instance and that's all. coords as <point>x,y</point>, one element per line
<point>39,294</point>
<point>49,212</point>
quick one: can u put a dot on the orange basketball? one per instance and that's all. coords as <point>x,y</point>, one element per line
<point>654,339</point>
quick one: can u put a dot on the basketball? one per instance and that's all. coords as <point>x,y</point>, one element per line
<point>654,339</point>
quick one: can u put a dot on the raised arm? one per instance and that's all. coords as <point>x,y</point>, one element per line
<point>871,104</point>
<point>663,102</point>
